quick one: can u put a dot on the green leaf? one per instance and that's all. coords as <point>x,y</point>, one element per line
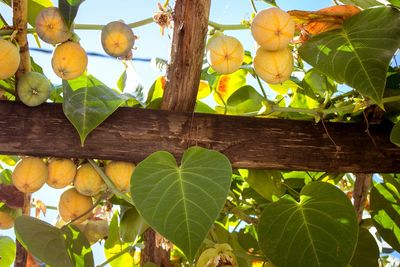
<point>114,246</point>
<point>267,183</point>
<point>385,210</point>
<point>69,9</point>
<point>270,2</point>
<point>320,230</point>
<point>88,102</point>
<point>78,246</point>
<point>121,83</point>
<point>367,251</point>
<point>34,8</point>
<point>132,225</point>
<point>182,203</point>
<point>7,251</point>
<point>6,177</point>
<point>362,3</point>
<point>43,240</point>
<point>245,100</point>
<point>396,3</point>
<point>316,84</point>
<point>356,54</point>
<point>395,134</point>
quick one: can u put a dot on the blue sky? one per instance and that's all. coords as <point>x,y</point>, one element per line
<point>149,45</point>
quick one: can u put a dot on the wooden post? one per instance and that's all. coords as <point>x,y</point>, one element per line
<point>20,21</point>
<point>188,43</point>
<point>190,30</point>
<point>360,192</point>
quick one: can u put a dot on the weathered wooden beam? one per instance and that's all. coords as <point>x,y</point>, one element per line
<point>132,134</point>
<point>187,51</point>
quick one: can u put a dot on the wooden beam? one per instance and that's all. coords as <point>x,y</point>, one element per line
<point>187,51</point>
<point>133,134</point>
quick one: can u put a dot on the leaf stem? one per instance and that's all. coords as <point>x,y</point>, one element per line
<point>109,183</point>
<point>119,254</point>
<point>223,27</point>
<point>102,197</point>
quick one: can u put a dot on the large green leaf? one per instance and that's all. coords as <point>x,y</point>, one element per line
<point>320,230</point>
<point>69,9</point>
<point>55,247</point>
<point>114,246</point>
<point>267,183</point>
<point>395,134</point>
<point>358,54</point>
<point>88,102</point>
<point>182,203</point>
<point>7,251</point>
<point>385,210</point>
<point>362,3</point>
<point>367,251</point>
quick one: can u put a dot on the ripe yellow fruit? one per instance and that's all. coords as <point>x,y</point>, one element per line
<point>120,174</point>
<point>50,26</point>
<point>69,60</point>
<point>73,204</point>
<point>273,66</point>
<point>117,39</point>
<point>61,173</point>
<point>30,174</point>
<point>225,54</point>
<point>272,29</point>
<point>87,181</point>
<point>6,220</point>
<point>9,58</point>
<point>33,89</point>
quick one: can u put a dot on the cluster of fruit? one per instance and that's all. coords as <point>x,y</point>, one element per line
<point>272,29</point>
<point>69,59</point>
<point>31,173</point>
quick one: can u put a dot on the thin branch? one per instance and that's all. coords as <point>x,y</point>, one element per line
<point>261,87</point>
<point>226,27</point>
<point>253,6</point>
<point>101,198</point>
<point>231,208</point>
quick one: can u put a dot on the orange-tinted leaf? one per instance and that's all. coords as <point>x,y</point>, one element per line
<point>326,19</point>
<point>31,262</point>
<point>39,207</point>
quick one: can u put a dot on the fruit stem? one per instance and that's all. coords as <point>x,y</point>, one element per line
<point>119,254</point>
<point>261,87</point>
<point>253,6</point>
<point>101,198</point>
<point>223,27</point>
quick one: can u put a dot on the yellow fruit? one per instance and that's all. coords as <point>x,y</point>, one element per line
<point>29,175</point>
<point>33,89</point>
<point>73,204</point>
<point>6,220</point>
<point>69,60</point>
<point>273,66</point>
<point>117,39</point>
<point>87,181</point>
<point>225,54</point>
<point>272,29</point>
<point>120,174</point>
<point>50,26</point>
<point>9,58</point>
<point>61,173</point>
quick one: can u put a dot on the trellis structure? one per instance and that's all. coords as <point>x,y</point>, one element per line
<point>132,134</point>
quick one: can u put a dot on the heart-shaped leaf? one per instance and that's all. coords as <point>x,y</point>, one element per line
<point>182,203</point>
<point>385,210</point>
<point>320,230</point>
<point>367,251</point>
<point>56,247</point>
<point>7,251</point>
<point>362,3</point>
<point>359,53</point>
<point>88,102</point>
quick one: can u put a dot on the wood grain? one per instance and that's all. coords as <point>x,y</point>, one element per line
<point>187,51</point>
<point>133,134</point>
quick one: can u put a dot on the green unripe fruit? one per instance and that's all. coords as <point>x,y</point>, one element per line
<point>33,89</point>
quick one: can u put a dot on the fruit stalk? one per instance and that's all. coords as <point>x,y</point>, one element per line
<point>20,21</point>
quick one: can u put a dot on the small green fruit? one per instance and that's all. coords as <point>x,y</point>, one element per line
<point>33,89</point>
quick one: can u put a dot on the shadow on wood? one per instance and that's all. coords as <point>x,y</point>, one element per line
<point>133,134</point>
